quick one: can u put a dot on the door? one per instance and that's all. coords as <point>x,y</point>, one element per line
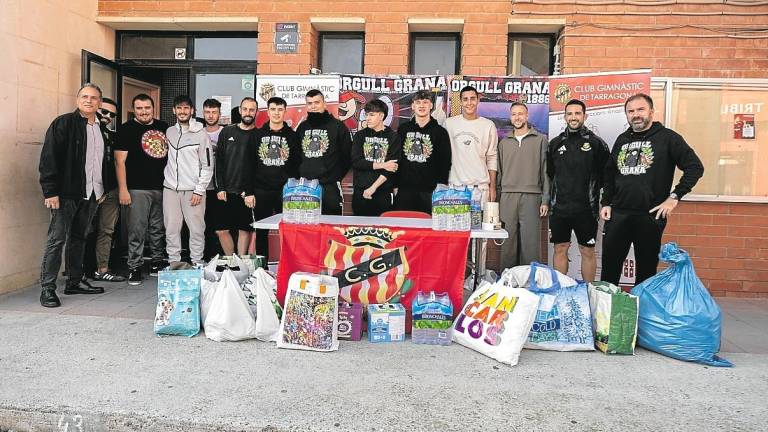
<point>133,87</point>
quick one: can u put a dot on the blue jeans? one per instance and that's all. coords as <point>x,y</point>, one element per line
<point>70,224</point>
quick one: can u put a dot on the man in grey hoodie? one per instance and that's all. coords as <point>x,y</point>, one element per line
<point>187,174</point>
<point>524,189</point>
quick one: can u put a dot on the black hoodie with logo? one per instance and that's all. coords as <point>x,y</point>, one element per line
<point>370,146</point>
<point>426,156</point>
<point>325,145</point>
<point>639,173</point>
<point>275,157</point>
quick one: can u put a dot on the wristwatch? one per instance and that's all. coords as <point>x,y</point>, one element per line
<point>674,196</point>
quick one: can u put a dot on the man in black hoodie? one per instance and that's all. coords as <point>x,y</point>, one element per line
<point>73,164</point>
<point>426,156</point>
<point>375,152</point>
<point>325,151</point>
<point>275,157</point>
<point>636,192</point>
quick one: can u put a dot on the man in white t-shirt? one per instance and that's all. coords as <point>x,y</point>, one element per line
<point>474,144</point>
<point>211,116</point>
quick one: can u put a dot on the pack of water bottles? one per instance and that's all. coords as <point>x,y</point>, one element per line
<point>302,201</point>
<point>432,322</point>
<point>451,208</point>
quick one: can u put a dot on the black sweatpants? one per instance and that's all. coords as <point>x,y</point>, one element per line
<point>333,202</point>
<point>380,202</point>
<point>642,230</point>
<point>408,199</point>
<point>268,203</point>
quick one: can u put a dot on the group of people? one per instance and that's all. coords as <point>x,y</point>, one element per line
<point>225,178</point>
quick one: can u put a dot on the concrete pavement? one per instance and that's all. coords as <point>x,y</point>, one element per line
<point>95,365</point>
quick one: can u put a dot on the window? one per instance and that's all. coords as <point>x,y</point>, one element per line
<point>530,55</point>
<point>341,52</point>
<point>137,46</point>
<point>435,53</point>
<point>226,48</point>
<point>725,122</point>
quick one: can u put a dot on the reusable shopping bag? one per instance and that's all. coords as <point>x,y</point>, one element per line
<point>564,319</point>
<point>229,317</point>
<point>178,303</point>
<point>614,318</point>
<point>310,315</point>
<point>496,320</point>
<point>678,316</point>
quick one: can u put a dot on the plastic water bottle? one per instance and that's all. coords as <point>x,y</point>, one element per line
<point>432,319</point>
<point>476,208</point>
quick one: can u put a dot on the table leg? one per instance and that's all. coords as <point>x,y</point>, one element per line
<point>478,264</point>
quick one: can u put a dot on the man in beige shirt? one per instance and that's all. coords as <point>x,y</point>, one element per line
<point>473,146</point>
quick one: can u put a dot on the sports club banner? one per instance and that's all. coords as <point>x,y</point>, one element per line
<point>395,91</point>
<point>498,93</point>
<point>376,264</point>
<point>604,94</point>
<point>294,88</point>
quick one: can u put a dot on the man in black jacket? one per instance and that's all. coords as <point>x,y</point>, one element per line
<point>72,169</point>
<point>426,156</point>
<point>575,163</point>
<point>375,154</point>
<point>234,184</point>
<point>325,151</point>
<point>636,196</point>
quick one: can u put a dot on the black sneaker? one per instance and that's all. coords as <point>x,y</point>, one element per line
<point>49,299</point>
<point>108,276</point>
<point>134,277</point>
<point>156,266</point>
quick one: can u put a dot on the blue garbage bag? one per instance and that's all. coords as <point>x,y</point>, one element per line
<point>678,317</point>
<point>178,302</point>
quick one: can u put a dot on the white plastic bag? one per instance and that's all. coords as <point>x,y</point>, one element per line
<point>496,320</point>
<point>519,277</point>
<point>262,286</point>
<point>207,287</point>
<point>310,316</point>
<point>229,317</point>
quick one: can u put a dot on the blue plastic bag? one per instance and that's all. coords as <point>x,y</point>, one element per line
<point>178,302</point>
<point>678,317</point>
<point>563,319</point>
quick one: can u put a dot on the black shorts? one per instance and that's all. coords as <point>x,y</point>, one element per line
<point>584,225</point>
<point>232,214</point>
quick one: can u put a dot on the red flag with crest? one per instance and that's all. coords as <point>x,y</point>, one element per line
<point>376,264</point>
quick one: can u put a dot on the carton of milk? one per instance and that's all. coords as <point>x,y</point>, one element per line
<point>386,322</point>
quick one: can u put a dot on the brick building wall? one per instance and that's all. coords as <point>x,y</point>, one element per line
<point>702,39</point>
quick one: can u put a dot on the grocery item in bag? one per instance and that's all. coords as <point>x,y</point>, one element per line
<point>496,320</point>
<point>614,318</point>
<point>178,302</point>
<point>310,315</point>
<point>678,317</point>
<point>563,319</point>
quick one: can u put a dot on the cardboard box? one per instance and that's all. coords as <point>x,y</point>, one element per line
<point>386,322</point>
<point>350,324</point>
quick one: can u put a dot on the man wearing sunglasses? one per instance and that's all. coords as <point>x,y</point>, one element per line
<point>110,208</point>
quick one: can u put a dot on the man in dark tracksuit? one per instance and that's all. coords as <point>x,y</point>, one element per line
<point>275,158</point>
<point>325,151</point>
<point>73,164</point>
<point>426,156</point>
<point>636,196</point>
<point>375,155</point>
<point>575,163</point>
